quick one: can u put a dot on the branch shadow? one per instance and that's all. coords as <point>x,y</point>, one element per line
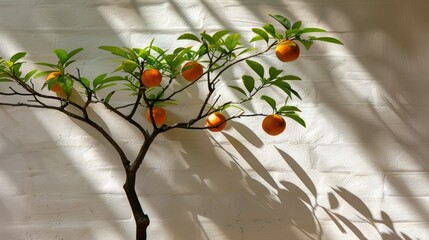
<point>48,184</point>
<point>402,109</point>
<point>230,195</point>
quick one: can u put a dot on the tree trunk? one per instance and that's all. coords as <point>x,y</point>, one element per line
<point>141,219</point>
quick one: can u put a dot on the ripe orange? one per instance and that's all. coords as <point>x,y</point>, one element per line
<point>159,115</point>
<point>151,77</point>
<point>216,122</point>
<point>273,124</point>
<point>56,87</point>
<point>287,51</point>
<point>193,71</point>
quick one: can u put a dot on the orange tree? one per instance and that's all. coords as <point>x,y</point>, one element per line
<point>149,75</point>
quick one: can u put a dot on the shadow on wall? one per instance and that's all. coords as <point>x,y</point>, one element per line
<point>223,199</point>
<point>395,62</point>
<point>293,208</point>
<point>48,187</point>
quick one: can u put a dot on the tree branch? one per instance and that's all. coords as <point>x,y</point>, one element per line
<point>243,59</point>
<point>130,120</point>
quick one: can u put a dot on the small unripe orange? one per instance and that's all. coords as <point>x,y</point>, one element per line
<point>151,77</point>
<point>273,124</point>
<point>287,51</point>
<point>216,122</point>
<point>191,71</point>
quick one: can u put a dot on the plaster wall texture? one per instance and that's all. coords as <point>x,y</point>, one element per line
<point>360,170</point>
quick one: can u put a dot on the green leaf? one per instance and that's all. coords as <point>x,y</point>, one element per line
<point>248,82</point>
<point>246,50</point>
<point>286,88</point>
<point>202,50</point>
<point>44,73</point>
<point>224,107</point>
<point>261,33</point>
<point>29,74</point>
<point>8,64</point>
<point>85,82</point>
<point>269,28</point>
<point>142,53</point>
<point>293,32</point>
<point>17,56</point>
<point>282,20</point>
<point>257,67</point>
<point>274,72</point>
<point>69,62</point>
<point>74,52</point>
<point>99,79</point>
<point>295,93</point>
<point>132,54</point>
<point>295,117</point>
<point>297,25</point>
<point>5,80</point>
<point>64,81</point>
<point>105,86</point>
<point>288,77</point>
<point>54,66</point>
<point>119,68</point>
<point>113,79</point>
<point>178,50</point>
<point>61,54</point>
<point>232,40</point>
<point>109,96</point>
<point>131,87</point>
<point>16,69</point>
<point>327,39</point>
<point>115,51</point>
<point>189,36</point>
<point>256,38</point>
<point>310,30</point>
<point>289,109</point>
<point>218,35</point>
<point>238,89</point>
<point>307,44</point>
<point>180,58</point>
<point>270,101</point>
<point>208,38</point>
<point>159,50</point>
<point>131,63</point>
<point>129,67</point>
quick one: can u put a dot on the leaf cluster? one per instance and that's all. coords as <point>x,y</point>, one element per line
<point>267,79</point>
<point>290,31</point>
<point>217,52</point>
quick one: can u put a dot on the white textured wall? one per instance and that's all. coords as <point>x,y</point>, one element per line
<point>364,155</point>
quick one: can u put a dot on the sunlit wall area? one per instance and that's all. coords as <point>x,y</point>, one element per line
<point>359,170</point>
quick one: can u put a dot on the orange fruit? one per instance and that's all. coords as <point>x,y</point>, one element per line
<point>159,115</point>
<point>56,87</point>
<point>273,124</point>
<point>216,122</point>
<point>192,72</point>
<point>151,77</point>
<point>287,51</point>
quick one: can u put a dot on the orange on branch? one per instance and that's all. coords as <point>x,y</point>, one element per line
<point>273,124</point>
<point>287,51</point>
<point>159,115</point>
<point>216,122</point>
<point>191,71</point>
<point>151,77</point>
<point>56,87</point>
